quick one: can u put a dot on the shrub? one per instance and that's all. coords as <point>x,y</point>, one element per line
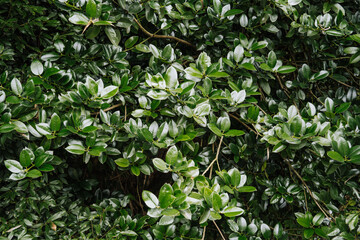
<point>179,119</point>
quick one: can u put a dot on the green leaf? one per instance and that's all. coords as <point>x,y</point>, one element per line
<point>355,58</point>
<point>79,19</point>
<point>75,149</point>
<point>135,170</point>
<point>246,189</point>
<point>122,162</point>
<point>235,176</point>
<point>91,8</point>
<point>279,147</point>
<point>336,156</point>
<point>55,122</point>
<point>166,220</point>
<point>16,86</point>
<point>333,32</point>
<point>233,211</point>
<point>271,59</point>
<point>216,201</point>
<point>248,66</point>
<point>352,220</point>
<point>46,167</point>
<point>217,6</point>
<point>26,157</point>
<point>218,74</point>
<point>142,48</point>
<point>131,41</point>
<point>20,127</point>
<point>109,92</point>
<point>170,212</point>
<point>113,35</point>
<point>172,155</point>
<point>286,69</point>
<point>233,12</point>
<point>150,199</point>
<point>13,166</point>
<point>160,164</point>
<point>36,67</point>
<point>6,128</point>
<point>234,133</point>
<point>265,231</point>
<point>34,173</point>
<point>204,216</point>
<point>215,129</point>
<point>259,45</point>
<point>17,176</point>
<point>329,105</point>
<point>320,75</point>
<point>252,229</point>
<point>278,231</point>
<point>244,21</point>
<point>318,219</point>
<point>166,197</point>
<point>305,222</point>
<point>355,37</point>
<point>238,53</point>
<point>128,233</point>
<point>294,2</point>
<point>308,233</point>
<point>351,50</point>
<point>171,78</point>
<point>343,107</point>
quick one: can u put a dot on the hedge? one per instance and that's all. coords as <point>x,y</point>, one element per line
<point>179,119</point>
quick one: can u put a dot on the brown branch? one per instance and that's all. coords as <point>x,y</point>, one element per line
<point>162,36</point>
<point>286,91</point>
<point>326,213</point>
<point>222,236</point>
<point>204,232</point>
<point>216,157</point>
<point>244,124</point>
<point>346,85</point>
<point>108,109</point>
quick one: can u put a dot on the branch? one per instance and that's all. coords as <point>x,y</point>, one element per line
<point>162,36</point>
<point>108,109</point>
<point>217,156</point>
<point>326,213</point>
<point>222,236</point>
<point>244,124</point>
<point>286,92</point>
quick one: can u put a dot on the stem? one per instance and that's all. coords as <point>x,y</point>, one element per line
<point>162,36</point>
<point>326,213</point>
<point>219,230</point>
<point>216,157</point>
<point>108,109</point>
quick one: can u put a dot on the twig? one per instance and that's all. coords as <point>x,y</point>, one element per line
<point>219,230</point>
<point>211,169</point>
<point>260,108</point>
<point>316,97</point>
<point>286,92</point>
<point>306,206</point>
<point>108,109</point>
<point>162,36</point>
<point>216,157</point>
<point>326,213</point>
<point>237,119</point>
<point>138,193</point>
<point>204,232</point>
<point>125,113</point>
<point>343,83</point>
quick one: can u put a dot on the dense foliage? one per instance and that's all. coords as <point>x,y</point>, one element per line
<point>179,119</point>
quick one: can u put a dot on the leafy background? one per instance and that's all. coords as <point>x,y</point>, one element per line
<point>179,119</point>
